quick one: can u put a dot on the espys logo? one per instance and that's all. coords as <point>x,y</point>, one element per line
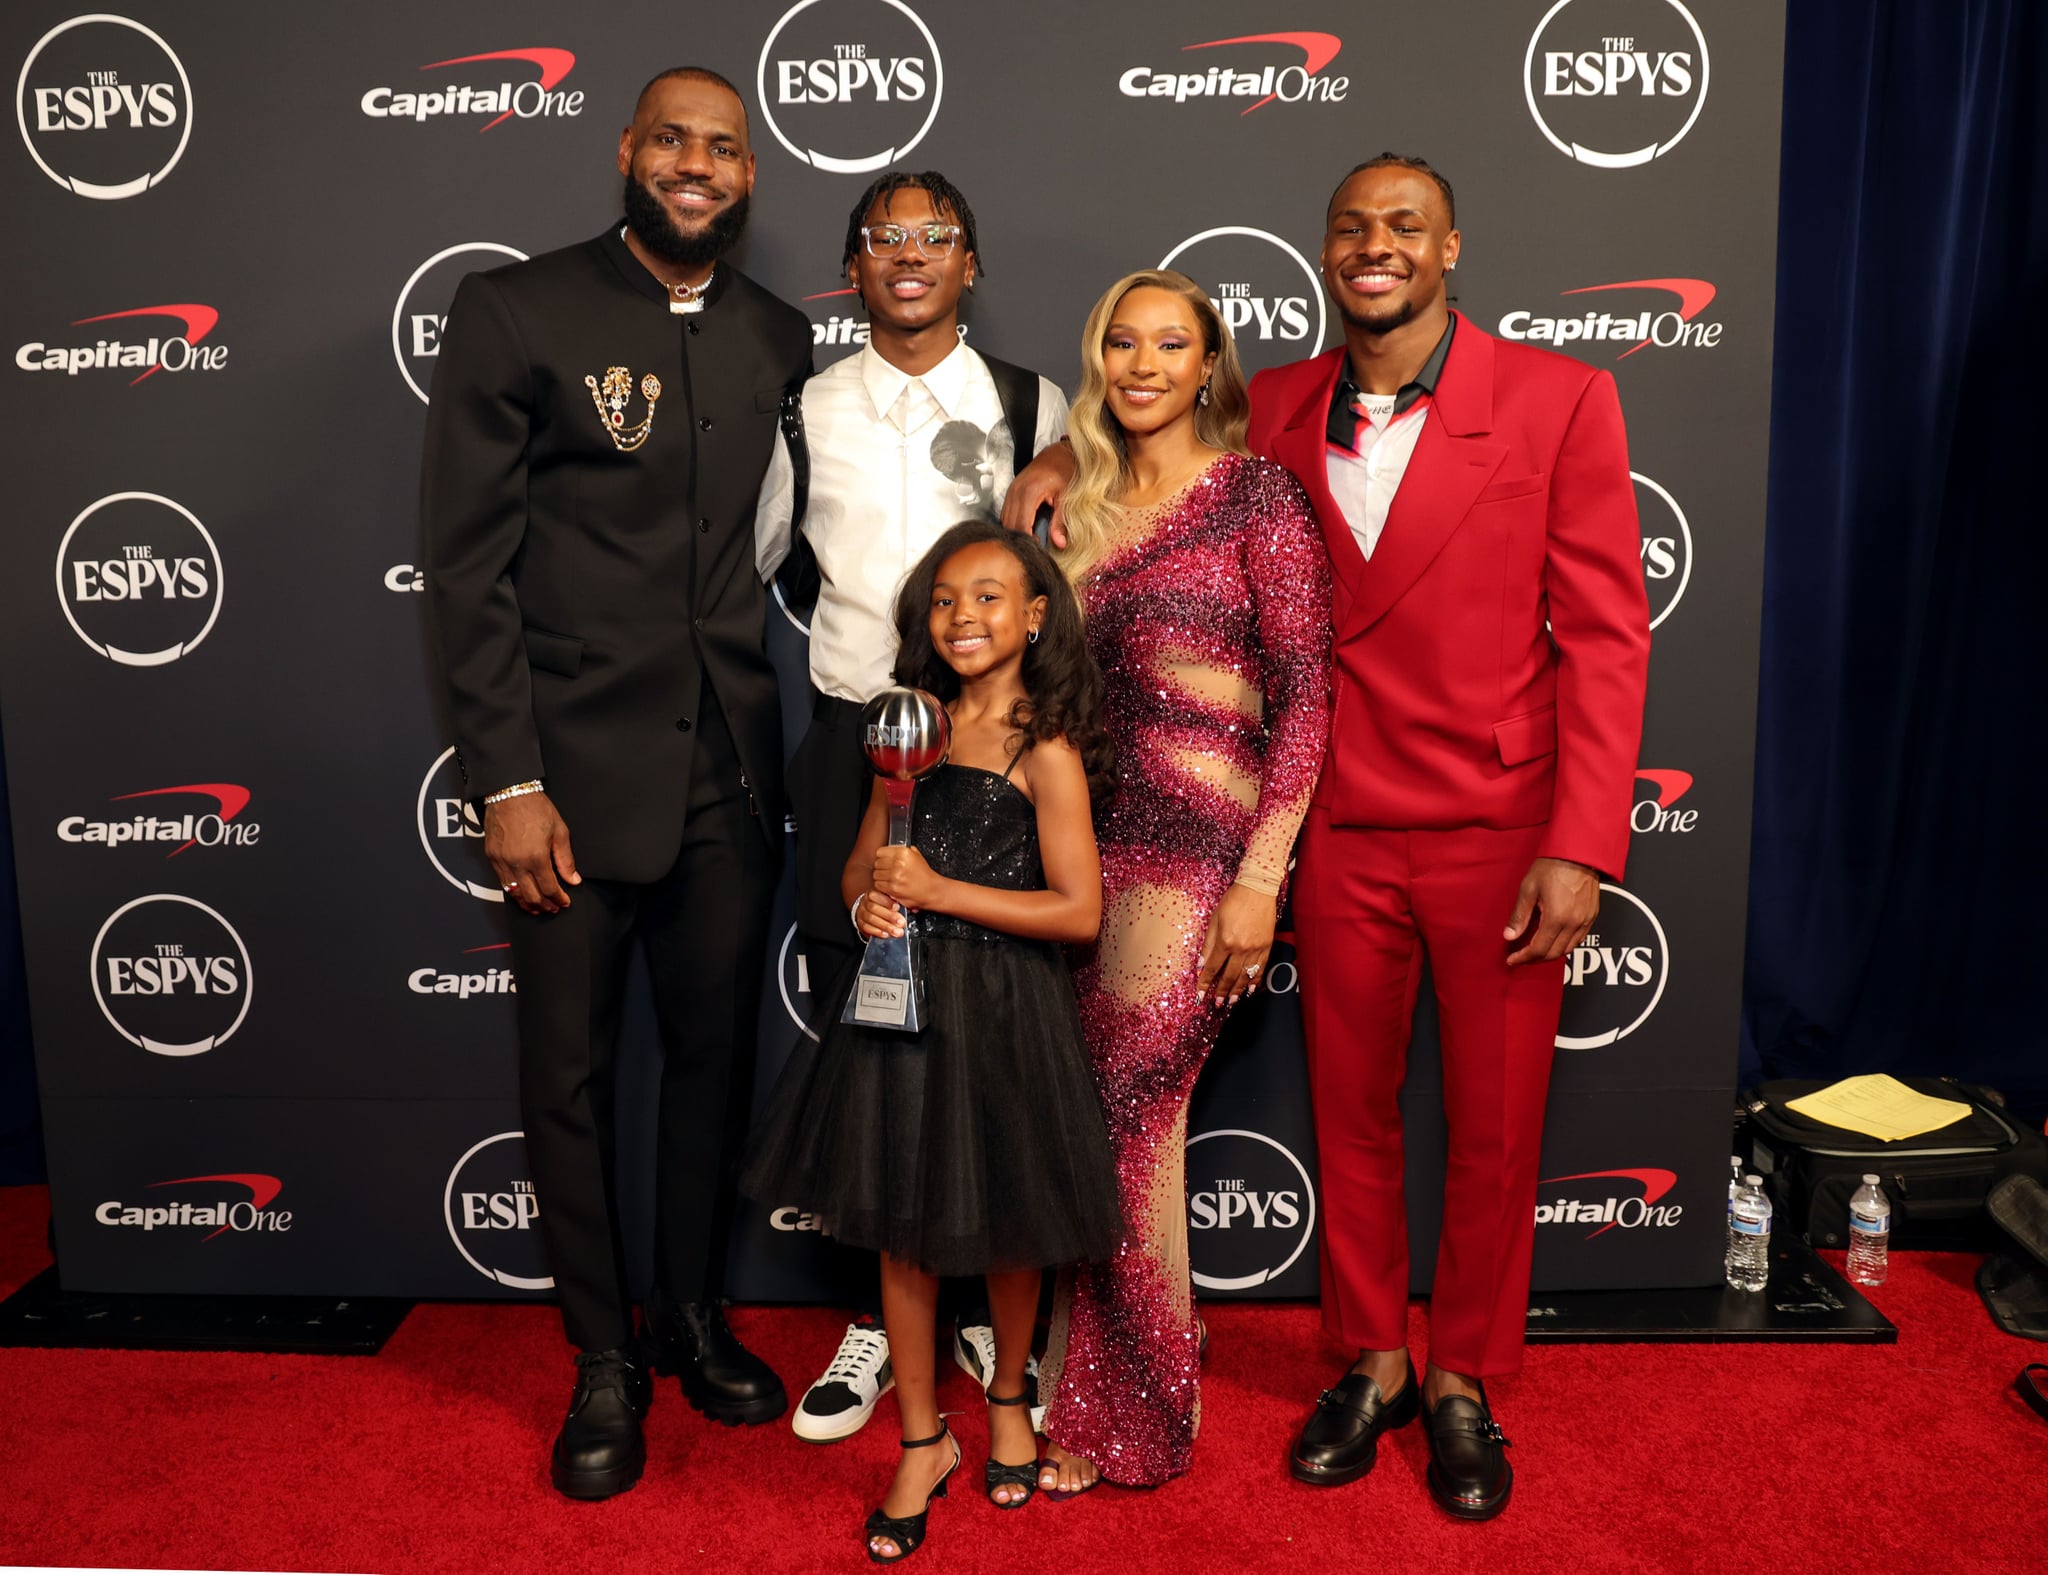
<point>219,827</point>
<point>862,77</point>
<point>452,832</point>
<point>1667,547</point>
<point>171,975</point>
<point>139,579</point>
<point>532,99</point>
<point>154,352</point>
<point>489,976</point>
<point>1672,328</point>
<point>1251,1207</point>
<point>1659,812</point>
<point>1265,289</point>
<point>104,105</point>
<point>422,309</point>
<point>1296,82</point>
<point>1616,975</point>
<point>1616,83</point>
<point>241,1215</point>
<point>490,1208</point>
<point>1634,1211</point>
<point>793,978</point>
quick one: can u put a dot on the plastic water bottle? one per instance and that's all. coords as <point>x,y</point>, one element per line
<point>1870,1233</point>
<point>1749,1237</point>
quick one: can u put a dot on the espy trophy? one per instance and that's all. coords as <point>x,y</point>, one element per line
<point>906,734</point>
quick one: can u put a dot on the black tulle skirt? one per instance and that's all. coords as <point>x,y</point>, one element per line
<point>975,1146</point>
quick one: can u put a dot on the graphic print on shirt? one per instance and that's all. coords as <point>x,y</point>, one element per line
<point>979,464</point>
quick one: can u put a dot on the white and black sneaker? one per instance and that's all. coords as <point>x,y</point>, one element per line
<point>839,1404</point>
<point>974,1349</point>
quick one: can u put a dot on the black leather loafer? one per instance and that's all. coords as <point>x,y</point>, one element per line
<point>1342,1438</point>
<point>720,1377</point>
<point>599,1450</point>
<point>1469,1474</point>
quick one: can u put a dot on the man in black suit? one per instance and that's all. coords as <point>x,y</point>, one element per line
<point>600,422</point>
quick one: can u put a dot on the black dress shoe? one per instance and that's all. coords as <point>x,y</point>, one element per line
<point>720,1377</point>
<point>1342,1439</point>
<point>599,1450</point>
<point>1469,1474</point>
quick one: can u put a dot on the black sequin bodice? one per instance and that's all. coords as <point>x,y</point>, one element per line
<point>975,825</point>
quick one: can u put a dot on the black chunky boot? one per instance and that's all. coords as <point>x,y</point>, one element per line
<point>720,1377</point>
<point>599,1450</point>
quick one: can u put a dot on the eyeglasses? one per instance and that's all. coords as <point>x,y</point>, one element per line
<point>935,241</point>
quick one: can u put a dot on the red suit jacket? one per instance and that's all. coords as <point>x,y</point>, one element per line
<point>1455,705</point>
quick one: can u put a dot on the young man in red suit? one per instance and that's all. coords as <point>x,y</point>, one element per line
<point>1492,645</point>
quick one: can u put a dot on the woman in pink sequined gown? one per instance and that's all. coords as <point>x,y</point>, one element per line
<point>1207,594</point>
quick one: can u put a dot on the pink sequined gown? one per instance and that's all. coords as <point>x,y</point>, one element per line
<point>1210,618</point>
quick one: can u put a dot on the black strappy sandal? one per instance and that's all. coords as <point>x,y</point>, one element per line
<point>997,1475</point>
<point>908,1532</point>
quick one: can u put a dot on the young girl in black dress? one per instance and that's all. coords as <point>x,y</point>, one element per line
<point>976,1146</point>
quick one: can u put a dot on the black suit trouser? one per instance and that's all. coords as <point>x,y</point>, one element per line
<point>704,928</point>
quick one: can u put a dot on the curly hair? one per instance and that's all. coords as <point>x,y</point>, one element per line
<point>1062,684</point>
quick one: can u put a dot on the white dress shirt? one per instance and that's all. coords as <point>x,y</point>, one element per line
<point>1364,482</point>
<point>895,460</point>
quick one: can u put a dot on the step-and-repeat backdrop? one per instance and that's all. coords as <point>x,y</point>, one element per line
<point>270,986</point>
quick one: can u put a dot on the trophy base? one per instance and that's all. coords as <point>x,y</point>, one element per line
<point>888,991</point>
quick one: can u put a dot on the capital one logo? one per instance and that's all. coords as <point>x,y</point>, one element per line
<point>171,975</point>
<point>153,824</point>
<point>1615,83</point>
<point>422,309</point>
<point>452,832</point>
<point>1615,977</point>
<point>492,1214</point>
<point>500,99</point>
<point>1667,547</point>
<point>1658,812</point>
<point>1593,1198</point>
<point>217,1215</point>
<point>1265,290</point>
<point>490,974</point>
<point>104,106</point>
<point>861,78</point>
<point>1640,325</point>
<point>1251,1209</point>
<point>150,352</point>
<point>139,579</point>
<point>1290,82</point>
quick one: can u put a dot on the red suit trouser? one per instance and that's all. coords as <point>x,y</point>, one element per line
<point>1369,905</point>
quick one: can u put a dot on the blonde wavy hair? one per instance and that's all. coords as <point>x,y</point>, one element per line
<point>1102,466</point>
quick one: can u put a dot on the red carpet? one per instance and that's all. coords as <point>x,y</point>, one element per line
<point>1910,1458</point>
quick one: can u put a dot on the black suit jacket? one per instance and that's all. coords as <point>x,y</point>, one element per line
<point>586,602</point>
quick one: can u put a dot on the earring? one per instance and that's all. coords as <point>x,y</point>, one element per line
<point>1202,396</point>
<point>1450,267</point>
<point>1033,637</point>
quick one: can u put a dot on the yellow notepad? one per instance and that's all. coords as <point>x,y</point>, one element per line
<point>1879,1106</point>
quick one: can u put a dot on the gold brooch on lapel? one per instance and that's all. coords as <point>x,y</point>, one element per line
<point>610,399</point>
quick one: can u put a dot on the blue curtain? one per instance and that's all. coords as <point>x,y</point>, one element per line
<point>1898,885</point>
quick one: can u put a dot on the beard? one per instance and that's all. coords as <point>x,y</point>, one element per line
<point>650,219</point>
<point>1381,322</point>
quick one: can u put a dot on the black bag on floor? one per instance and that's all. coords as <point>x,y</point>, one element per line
<point>1936,1182</point>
